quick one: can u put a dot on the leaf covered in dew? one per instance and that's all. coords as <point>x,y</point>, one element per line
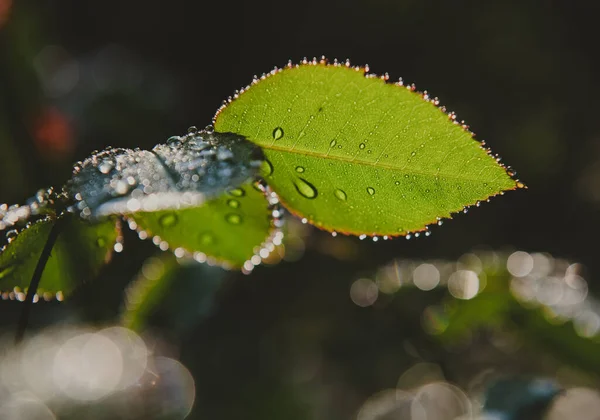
<point>81,249</point>
<point>41,205</point>
<point>234,230</point>
<point>177,195</point>
<point>352,153</point>
<point>184,172</point>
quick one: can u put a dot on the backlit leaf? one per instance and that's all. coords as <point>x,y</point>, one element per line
<point>229,229</point>
<point>80,251</point>
<point>352,153</point>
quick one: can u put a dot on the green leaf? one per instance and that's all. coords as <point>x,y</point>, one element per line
<point>81,250</point>
<point>352,153</point>
<point>227,230</point>
<point>171,295</point>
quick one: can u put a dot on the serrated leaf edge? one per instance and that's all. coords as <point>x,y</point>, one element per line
<point>323,61</point>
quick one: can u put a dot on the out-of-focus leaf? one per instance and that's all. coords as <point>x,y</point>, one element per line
<point>78,254</point>
<point>172,295</point>
<point>353,154</point>
<point>519,398</point>
<point>229,229</point>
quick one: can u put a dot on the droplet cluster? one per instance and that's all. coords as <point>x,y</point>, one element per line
<point>16,218</point>
<point>274,238</point>
<point>15,215</point>
<point>183,172</point>
<point>19,294</point>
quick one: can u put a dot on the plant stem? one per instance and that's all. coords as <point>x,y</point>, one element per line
<point>37,276</point>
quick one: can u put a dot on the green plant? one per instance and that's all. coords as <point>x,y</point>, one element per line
<point>343,149</point>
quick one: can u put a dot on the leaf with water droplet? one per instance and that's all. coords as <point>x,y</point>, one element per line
<point>417,155</point>
<point>184,172</point>
<point>230,228</point>
<point>81,249</point>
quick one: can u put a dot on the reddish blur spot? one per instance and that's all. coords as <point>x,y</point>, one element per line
<point>53,134</point>
<point>5,6</point>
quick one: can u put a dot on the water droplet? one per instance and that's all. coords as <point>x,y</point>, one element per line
<point>234,204</point>
<point>121,187</point>
<point>340,194</point>
<point>305,188</point>
<point>299,169</point>
<point>362,146</point>
<point>233,218</point>
<point>278,133</point>
<point>168,220</point>
<point>371,190</point>
<point>520,185</point>
<point>174,141</point>
<point>237,192</point>
<point>207,238</point>
<point>100,242</point>
<point>413,153</point>
<point>193,129</point>
<point>333,143</point>
<point>397,182</point>
<point>266,167</point>
<point>106,166</point>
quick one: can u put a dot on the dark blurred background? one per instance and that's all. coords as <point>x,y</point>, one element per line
<point>290,341</point>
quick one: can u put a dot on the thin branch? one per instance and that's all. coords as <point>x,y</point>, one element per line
<point>37,276</point>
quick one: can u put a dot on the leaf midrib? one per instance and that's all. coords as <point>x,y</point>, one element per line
<point>378,165</point>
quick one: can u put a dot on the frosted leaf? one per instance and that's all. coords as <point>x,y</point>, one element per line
<point>184,172</point>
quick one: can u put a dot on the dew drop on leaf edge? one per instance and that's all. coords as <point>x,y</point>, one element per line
<point>305,188</point>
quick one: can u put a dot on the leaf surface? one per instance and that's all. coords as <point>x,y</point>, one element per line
<point>355,154</point>
<point>81,249</point>
<point>184,172</point>
<point>228,229</point>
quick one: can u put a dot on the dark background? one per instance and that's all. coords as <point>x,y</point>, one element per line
<point>522,74</point>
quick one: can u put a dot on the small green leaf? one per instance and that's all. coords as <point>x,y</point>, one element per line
<point>79,253</point>
<point>169,294</point>
<point>228,230</point>
<point>352,153</point>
